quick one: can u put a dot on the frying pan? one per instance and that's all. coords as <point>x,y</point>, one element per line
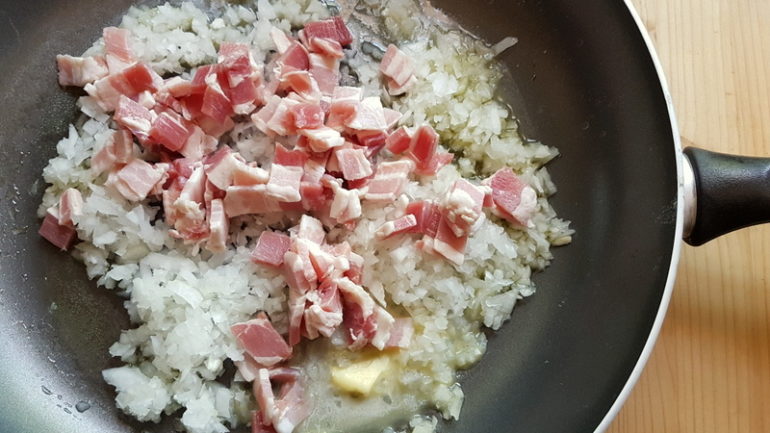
<point>583,77</point>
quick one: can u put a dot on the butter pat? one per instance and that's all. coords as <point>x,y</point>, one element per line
<point>359,377</point>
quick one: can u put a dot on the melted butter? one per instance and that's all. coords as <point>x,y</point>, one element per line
<point>337,411</point>
<point>360,377</point>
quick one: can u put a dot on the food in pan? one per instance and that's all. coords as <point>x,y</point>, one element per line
<point>312,218</point>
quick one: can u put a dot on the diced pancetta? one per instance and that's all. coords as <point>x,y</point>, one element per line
<point>399,141</point>
<point>211,192</point>
<point>261,341</point>
<point>213,127</point>
<point>122,146</point>
<point>134,117</point>
<point>353,163</point>
<point>361,185</point>
<point>343,106</point>
<point>130,82</point>
<point>423,146</point>
<point>352,263</point>
<point>292,406</point>
<point>253,199</point>
<point>514,200</point>
<point>79,71</point>
<point>263,393</point>
<point>374,141</point>
<point>245,96</point>
<point>396,65</point>
<point>293,158</point>
<point>165,102</point>
<point>216,104</point>
<point>347,94</point>
<point>306,116</point>
<point>296,276</point>
<point>139,77</point>
<point>464,205</point>
<point>281,41</point>
<point>70,206</point>
<point>303,84</point>
<point>264,114</point>
<point>391,117</point>
<point>284,183</point>
<point>198,144</point>
<point>315,167</point>
<point>248,368</point>
<point>358,313</point>
<point>428,216</point>
<point>368,116</point>
<point>284,374</point>
<point>346,204</point>
<point>60,235</point>
<point>194,187</point>
<point>395,89</point>
<point>220,167</point>
<point>314,196</point>
<point>146,100</point>
<point>327,47</point>
<point>219,227</point>
<point>118,48</point>
<point>105,95</point>
<point>169,130</point>
<point>403,224</point>
<point>137,179</point>
<point>439,160</point>
<point>119,150</point>
<point>103,160</point>
<point>333,28</point>
<point>383,324</point>
<point>325,71</point>
<point>270,248</point>
<point>279,121</point>
<point>259,424</point>
<point>324,311</point>
<point>325,264</point>
<point>165,168</point>
<point>400,333</point>
<point>310,229</point>
<point>312,191</point>
<point>249,174</point>
<point>295,58</point>
<point>389,181</point>
<point>191,106</point>
<point>448,244</point>
<point>169,196</point>
<point>189,209</point>
<point>198,82</point>
<point>236,62</point>
<point>297,303</point>
<point>322,139</point>
<point>177,87</point>
<point>302,248</point>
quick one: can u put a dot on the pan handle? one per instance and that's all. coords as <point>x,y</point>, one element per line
<point>723,193</point>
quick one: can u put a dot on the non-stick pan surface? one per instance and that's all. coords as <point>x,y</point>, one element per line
<point>583,80</point>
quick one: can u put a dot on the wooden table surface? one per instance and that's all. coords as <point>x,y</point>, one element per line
<point>710,370</point>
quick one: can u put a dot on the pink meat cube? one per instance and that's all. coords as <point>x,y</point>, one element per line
<point>60,235</point>
<point>270,249</point>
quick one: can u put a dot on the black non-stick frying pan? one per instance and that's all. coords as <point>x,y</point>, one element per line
<point>583,78</point>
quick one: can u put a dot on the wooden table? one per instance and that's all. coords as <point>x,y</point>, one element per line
<point>710,370</point>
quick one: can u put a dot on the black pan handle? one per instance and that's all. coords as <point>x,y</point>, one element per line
<point>731,192</point>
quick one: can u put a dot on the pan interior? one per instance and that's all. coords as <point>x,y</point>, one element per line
<point>581,80</point>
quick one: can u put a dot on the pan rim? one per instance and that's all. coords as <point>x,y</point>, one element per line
<point>677,244</point>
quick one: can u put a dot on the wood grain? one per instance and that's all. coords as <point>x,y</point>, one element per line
<point>710,371</point>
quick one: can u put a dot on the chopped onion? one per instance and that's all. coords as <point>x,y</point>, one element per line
<point>504,44</point>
